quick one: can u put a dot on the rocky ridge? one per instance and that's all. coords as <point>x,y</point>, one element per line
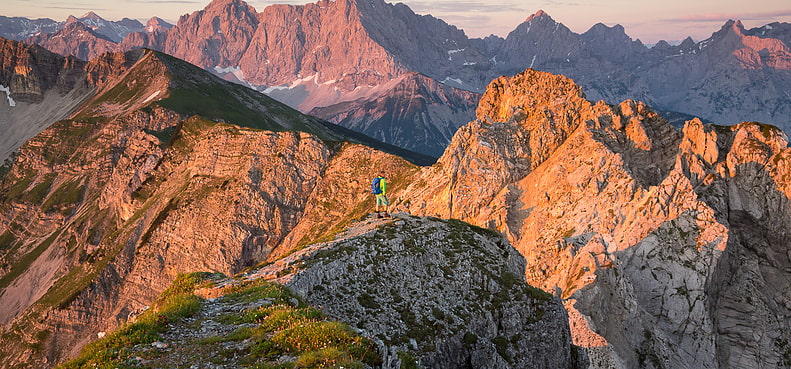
<point>423,291</point>
<point>335,54</point>
<point>98,197</point>
<point>18,28</point>
<point>450,293</point>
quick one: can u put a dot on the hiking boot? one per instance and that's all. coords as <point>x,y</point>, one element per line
<point>387,215</point>
<point>378,215</point>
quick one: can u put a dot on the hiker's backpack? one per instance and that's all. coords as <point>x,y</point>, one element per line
<point>375,187</point>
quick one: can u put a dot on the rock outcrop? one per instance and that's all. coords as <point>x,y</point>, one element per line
<point>641,229</point>
<point>400,292</point>
<point>449,294</point>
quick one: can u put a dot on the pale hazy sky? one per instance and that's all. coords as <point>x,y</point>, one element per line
<point>649,21</point>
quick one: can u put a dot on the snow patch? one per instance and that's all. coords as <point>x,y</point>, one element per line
<point>220,69</point>
<point>768,26</point>
<point>469,63</point>
<point>237,72</point>
<point>271,89</point>
<point>451,52</point>
<point>293,84</point>
<point>448,79</point>
<point>533,61</point>
<point>152,96</point>
<point>7,91</point>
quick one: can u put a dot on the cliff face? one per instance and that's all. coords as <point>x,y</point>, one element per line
<point>36,88</point>
<point>407,112</point>
<point>643,230</point>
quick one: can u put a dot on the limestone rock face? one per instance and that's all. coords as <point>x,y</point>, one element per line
<point>408,112</point>
<point>450,293</point>
<point>38,88</point>
<point>640,228</point>
<point>30,71</point>
<point>152,37</point>
<point>240,203</point>
<point>215,36</point>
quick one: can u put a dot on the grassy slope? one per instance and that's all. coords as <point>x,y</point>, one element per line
<point>256,324</point>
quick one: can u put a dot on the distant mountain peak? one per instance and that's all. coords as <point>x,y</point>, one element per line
<point>616,28</point>
<point>220,4</point>
<point>93,16</point>
<point>688,43</point>
<point>733,25</point>
<point>157,24</point>
<point>602,30</point>
<point>539,14</point>
<point>79,25</point>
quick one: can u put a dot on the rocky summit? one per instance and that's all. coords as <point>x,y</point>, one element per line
<point>659,242</point>
<point>667,249</point>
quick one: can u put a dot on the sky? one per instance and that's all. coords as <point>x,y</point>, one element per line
<point>649,21</point>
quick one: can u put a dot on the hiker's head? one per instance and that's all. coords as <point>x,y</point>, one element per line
<point>382,173</point>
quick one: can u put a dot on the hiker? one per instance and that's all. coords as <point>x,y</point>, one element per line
<point>379,188</point>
